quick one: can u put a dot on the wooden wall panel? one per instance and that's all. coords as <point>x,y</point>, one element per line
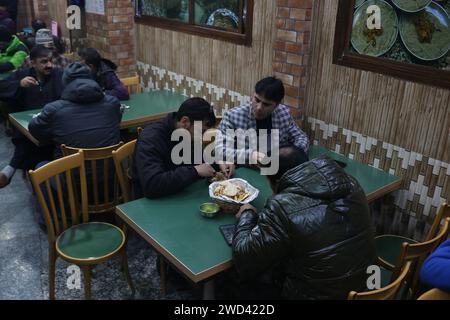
<point>413,116</point>
<point>57,12</point>
<point>223,64</point>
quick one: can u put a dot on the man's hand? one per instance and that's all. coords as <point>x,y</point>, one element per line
<point>205,170</point>
<point>28,82</point>
<point>257,157</point>
<point>243,208</point>
<point>227,169</point>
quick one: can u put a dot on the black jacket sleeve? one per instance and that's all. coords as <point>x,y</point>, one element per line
<point>154,179</point>
<point>260,242</point>
<point>40,126</point>
<point>10,86</point>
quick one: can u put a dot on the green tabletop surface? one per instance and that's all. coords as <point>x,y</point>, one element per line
<point>139,110</point>
<point>174,226</point>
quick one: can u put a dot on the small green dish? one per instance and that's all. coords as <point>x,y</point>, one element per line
<point>209,209</point>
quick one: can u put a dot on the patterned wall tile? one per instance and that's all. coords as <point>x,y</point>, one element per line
<point>426,181</point>
<point>222,99</point>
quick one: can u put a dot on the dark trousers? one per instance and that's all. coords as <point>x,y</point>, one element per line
<point>26,154</point>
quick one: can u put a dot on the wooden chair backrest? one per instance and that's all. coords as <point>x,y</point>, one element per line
<point>70,56</point>
<point>435,294</point>
<point>442,213</point>
<point>388,292</point>
<point>94,157</point>
<point>133,84</point>
<point>60,174</point>
<point>418,252</point>
<point>123,159</point>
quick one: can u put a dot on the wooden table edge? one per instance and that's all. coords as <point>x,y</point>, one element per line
<point>374,195</point>
<point>23,130</point>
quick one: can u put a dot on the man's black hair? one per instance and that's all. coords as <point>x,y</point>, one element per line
<point>289,157</point>
<point>40,51</point>
<point>90,56</point>
<point>38,24</point>
<point>197,109</point>
<point>270,88</point>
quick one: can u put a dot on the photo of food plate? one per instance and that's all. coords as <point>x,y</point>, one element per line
<point>411,5</point>
<point>375,42</point>
<point>426,34</point>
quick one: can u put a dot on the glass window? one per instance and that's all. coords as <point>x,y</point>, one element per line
<point>229,20</point>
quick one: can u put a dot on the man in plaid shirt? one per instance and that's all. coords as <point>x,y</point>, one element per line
<point>265,112</point>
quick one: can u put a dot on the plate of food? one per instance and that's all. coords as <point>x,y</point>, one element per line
<point>411,5</point>
<point>374,42</point>
<point>233,193</point>
<point>426,34</point>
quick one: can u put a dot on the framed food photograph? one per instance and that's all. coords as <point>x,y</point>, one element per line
<point>407,39</point>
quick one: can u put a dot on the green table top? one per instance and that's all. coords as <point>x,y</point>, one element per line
<point>175,228</point>
<point>140,109</point>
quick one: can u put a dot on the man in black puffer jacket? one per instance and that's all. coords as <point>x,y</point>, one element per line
<point>84,117</point>
<point>313,239</point>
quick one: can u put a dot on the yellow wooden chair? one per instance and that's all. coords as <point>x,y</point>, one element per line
<point>103,199</point>
<point>70,234</point>
<point>416,252</point>
<point>123,160</point>
<point>70,56</point>
<point>389,292</point>
<point>435,294</point>
<point>389,246</point>
<point>133,84</point>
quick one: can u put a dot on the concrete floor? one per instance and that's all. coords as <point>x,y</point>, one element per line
<point>24,250</point>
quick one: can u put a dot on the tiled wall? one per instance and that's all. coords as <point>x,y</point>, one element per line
<point>426,181</point>
<point>425,185</point>
<point>155,78</point>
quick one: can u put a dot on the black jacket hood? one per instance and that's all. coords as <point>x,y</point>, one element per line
<point>82,91</point>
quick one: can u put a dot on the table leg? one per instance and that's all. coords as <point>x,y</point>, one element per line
<point>208,290</point>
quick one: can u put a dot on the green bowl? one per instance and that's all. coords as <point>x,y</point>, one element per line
<point>209,209</point>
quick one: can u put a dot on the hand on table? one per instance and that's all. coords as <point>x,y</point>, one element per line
<point>205,170</point>
<point>227,169</point>
<point>243,208</point>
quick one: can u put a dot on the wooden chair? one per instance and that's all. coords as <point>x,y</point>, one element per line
<point>94,158</point>
<point>389,292</point>
<point>123,160</point>
<point>435,294</point>
<point>417,252</point>
<point>133,84</point>
<point>389,246</point>
<point>70,234</point>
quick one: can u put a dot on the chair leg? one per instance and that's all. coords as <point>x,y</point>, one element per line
<point>87,282</point>
<point>163,276</point>
<point>51,271</point>
<point>126,271</point>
